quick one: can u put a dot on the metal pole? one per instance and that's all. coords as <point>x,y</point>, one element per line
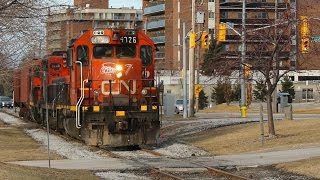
<point>243,54</point>
<point>185,107</point>
<point>197,80</point>
<point>261,124</point>
<point>47,114</point>
<point>179,38</point>
<point>191,66</point>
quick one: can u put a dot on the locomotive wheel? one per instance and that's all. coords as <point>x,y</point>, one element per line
<point>59,121</point>
<point>23,112</point>
<point>70,128</point>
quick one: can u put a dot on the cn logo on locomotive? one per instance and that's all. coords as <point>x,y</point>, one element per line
<point>110,68</point>
<point>117,85</point>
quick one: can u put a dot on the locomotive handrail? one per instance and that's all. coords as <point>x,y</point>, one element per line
<point>78,125</point>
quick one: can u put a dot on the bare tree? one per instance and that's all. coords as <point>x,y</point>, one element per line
<point>22,32</point>
<point>267,52</point>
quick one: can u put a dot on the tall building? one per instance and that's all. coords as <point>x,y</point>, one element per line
<point>163,22</point>
<point>260,18</point>
<point>69,23</point>
<point>155,26</point>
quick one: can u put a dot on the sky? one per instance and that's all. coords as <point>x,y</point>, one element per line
<point>125,3</point>
<point>114,3</point>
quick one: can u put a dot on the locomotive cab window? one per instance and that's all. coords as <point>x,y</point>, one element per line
<point>102,52</point>
<point>146,55</point>
<point>83,54</point>
<point>126,51</point>
<point>37,71</point>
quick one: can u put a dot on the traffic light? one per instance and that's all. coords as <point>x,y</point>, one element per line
<point>222,32</point>
<point>192,39</point>
<point>205,40</point>
<point>305,26</point>
<point>305,45</point>
<point>305,34</point>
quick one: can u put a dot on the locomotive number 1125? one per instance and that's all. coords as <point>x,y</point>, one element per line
<point>128,39</point>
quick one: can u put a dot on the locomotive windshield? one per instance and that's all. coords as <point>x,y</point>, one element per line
<point>103,51</point>
<point>106,51</point>
<point>126,51</point>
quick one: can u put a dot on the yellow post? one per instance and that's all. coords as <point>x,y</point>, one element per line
<point>243,111</point>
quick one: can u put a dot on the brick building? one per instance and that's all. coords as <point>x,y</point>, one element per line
<point>68,23</point>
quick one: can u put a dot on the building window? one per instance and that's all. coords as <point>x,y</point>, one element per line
<point>211,0</point>
<point>224,15</point>
<point>307,93</point>
<point>211,14</point>
<point>262,15</point>
<point>211,31</point>
<point>240,15</point>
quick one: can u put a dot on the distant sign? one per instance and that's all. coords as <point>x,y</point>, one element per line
<point>315,39</point>
<point>200,17</point>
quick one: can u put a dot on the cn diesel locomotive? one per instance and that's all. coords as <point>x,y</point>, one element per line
<point>102,90</point>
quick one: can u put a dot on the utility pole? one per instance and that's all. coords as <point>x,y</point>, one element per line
<point>275,57</point>
<point>185,79</point>
<point>242,64</point>
<point>179,39</point>
<point>191,65</point>
<point>197,79</point>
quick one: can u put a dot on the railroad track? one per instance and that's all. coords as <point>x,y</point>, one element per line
<point>217,172</point>
<point>163,173</point>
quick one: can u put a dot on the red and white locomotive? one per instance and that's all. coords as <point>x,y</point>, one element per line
<point>102,91</point>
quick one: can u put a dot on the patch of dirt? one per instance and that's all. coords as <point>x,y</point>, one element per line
<point>10,171</point>
<point>247,137</point>
<point>242,138</point>
<point>15,145</point>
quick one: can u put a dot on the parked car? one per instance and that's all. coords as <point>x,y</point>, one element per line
<point>6,101</point>
<point>179,106</point>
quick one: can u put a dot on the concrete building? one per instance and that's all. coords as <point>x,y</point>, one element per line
<point>69,23</point>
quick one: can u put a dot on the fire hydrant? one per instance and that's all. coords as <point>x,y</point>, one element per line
<point>243,111</point>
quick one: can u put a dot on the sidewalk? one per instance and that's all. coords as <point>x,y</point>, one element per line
<point>264,158</point>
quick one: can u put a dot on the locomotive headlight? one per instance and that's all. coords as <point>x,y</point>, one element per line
<point>119,67</point>
<point>96,93</point>
<point>119,75</point>
<point>144,91</point>
<point>100,39</point>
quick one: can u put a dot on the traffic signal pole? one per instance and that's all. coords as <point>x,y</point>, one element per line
<point>243,105</point>
<point>191,65</point>
<point>185,106</point>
